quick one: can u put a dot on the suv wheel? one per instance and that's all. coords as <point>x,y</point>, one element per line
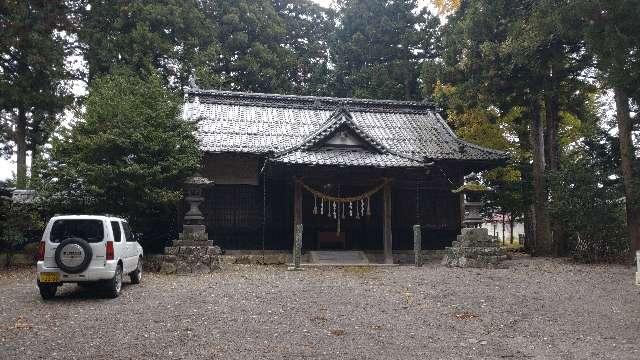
<point>47,291</point>
<point>136,275</point>
<point>115,284</point>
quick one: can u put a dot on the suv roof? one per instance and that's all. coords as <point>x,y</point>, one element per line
<point>96,217</point>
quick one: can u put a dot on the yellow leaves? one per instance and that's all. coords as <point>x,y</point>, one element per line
<point>443,89</point>
<point>509,173</point>
<point>22,324</point>
<point>488,128</point>
<point>570,129</point>
<point>476,125</point>
<point>446,6</point>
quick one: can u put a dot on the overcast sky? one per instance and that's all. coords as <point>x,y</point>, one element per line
<point>8,166</point>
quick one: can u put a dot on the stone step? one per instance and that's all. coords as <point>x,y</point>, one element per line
<point>338,257</point>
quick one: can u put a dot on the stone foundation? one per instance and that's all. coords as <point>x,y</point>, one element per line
<point>193,258</point>
<point>474,248</point>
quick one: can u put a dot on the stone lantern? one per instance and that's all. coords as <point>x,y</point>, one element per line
<point>473,193</point>
<point>473,247</point>
<point>192,252</point>
<point>194,229</point>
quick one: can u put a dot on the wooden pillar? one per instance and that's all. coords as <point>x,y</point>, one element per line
<point>297,247</point>
<point>297,224</point>
<point>417,245</point>
<point>297,204</point>
<point>386,226</point>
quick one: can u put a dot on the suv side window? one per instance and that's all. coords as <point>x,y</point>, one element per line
<point>127,232</point>
<point>115,227</point>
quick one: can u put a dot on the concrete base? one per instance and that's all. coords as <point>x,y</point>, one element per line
<point>638,278</point>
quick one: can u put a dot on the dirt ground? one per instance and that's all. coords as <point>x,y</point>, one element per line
<point>535,308</point>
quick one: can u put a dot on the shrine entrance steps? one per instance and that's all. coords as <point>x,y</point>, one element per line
<point>338,258</point>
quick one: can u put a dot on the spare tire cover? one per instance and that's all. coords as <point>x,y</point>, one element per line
<point>73,255</point>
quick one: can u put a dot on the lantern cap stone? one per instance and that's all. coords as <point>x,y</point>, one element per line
<point>198,179</point>
<point>472,187</point>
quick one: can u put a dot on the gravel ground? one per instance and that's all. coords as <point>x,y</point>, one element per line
<point>535,308</point>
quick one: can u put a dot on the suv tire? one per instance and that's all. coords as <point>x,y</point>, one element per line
<point>136,275</point>
<point>88,255</point>
<point>47,291</point>
<point>114,285</point>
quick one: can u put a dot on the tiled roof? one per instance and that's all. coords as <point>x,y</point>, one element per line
<point>265,123</point>
<point>345,157</point>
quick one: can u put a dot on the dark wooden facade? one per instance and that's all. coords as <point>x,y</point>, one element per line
<point>258,212</point>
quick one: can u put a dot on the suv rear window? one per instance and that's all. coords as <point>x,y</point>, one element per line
<point>89,230</point>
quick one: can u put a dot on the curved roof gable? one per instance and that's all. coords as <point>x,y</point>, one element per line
<point>341,118</point>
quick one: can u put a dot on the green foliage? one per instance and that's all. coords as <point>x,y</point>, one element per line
<point>170,37</point>
<point>129,155</point>
<point>589,202</point>
<point>32,73</point>
<point>504,65</point>
<point>19,224</point>
<point>612,34</point>
<point>379,46</point>
<point>251,36</point>
<point>308,27</point>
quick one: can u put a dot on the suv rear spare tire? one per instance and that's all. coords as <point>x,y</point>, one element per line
<point>73,255</point>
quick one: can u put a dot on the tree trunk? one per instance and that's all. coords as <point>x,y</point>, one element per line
<point>552,149</point>
<point>529,230</point>
<point>36,165</point>
<point>21,144</point>
<point>524,141</point>
<point>543,244</point>
<point>511,221</point>
<point>626,168</point>
<point>503,232</point>
<point>552,122</point>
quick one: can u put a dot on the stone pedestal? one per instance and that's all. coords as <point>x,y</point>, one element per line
<point>474,248</point>
<point>190,259</point>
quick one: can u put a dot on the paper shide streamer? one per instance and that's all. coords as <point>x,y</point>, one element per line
<point>337,205</point>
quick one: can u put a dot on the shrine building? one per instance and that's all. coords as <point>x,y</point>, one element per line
<point>358,174</point>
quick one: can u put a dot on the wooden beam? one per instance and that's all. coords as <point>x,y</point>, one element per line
<point>386,227</point>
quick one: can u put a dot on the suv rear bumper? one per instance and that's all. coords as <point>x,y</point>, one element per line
<point>92,273</point>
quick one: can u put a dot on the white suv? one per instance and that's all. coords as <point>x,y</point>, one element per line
<point>86,249</point>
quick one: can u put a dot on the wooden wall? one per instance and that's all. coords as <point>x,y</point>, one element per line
<point>232,168</point>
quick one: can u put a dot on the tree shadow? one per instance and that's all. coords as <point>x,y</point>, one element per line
<point>73,293</point>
